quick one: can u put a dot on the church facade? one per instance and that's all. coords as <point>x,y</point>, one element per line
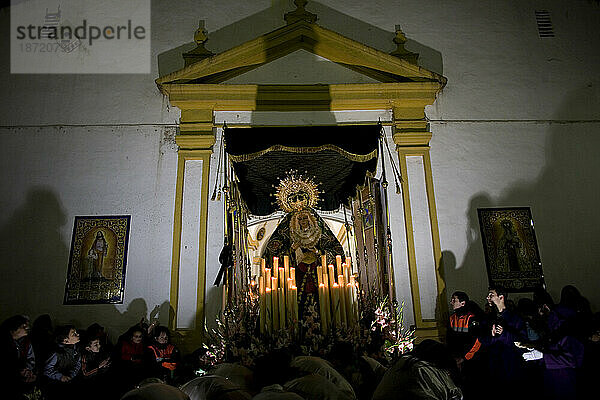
<point>479,108</point>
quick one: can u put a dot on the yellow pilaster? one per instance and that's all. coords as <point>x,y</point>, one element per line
<point>411,136</point>
<point>193,145</point>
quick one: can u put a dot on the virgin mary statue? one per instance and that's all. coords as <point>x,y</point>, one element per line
<point>303,236</point>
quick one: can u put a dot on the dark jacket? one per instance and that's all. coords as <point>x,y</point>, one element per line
<point>65,361</point>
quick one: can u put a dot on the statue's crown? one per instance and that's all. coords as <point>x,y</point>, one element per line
<point>296,192</point>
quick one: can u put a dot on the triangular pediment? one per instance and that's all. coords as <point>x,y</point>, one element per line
<point>300,68</point>
<point>307,36</point>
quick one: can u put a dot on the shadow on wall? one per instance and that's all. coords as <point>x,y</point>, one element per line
<point>34,260</point>
<point>33,254</point>
<point>272,18</point>
<point>447,263</point>
<point>473,268</point>
<point>212,304</point>
<point>563,201</point>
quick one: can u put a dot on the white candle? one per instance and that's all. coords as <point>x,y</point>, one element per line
<point>262,304</point>
<point>281,299</point>
<point>295,306</point>
<point>286,275</point>
<point>281,277</point>
<point>342,288</point>
<point>322,308</point>
<point>335,304</point>
<point>274,303</point>
<point>331,276</point>
<point>269,310</point>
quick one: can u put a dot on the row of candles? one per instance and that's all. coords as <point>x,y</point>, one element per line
<point>278,295</point>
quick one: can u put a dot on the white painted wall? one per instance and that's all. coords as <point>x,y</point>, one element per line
<point>517,124</point>
<point>52,174</point>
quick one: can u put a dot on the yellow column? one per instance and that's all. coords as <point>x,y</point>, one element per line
<point>411,136</point>
<point>195,142</point>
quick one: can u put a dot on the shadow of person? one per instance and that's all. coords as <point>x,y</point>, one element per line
<point>162,314</point>
<point>136,311</point>
<point>447,263</point>
<point>33,255</point>
<point>461,277</point>
<point>563,199</point>
<point>565,196</point>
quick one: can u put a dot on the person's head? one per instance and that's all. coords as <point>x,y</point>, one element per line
<point>16,326</point>
<point>95,330</point>
<point>93,344</point>
<point>459,299</point>
<point>67,334</point>
<point>342,354</point>
<point>273,367</point>
<point>136,335</point>
<point>497,296</point>
<point>541,297</point>
<point>435,353</point>
<point>43,323</point>
<point>527,308</point>
<point>569,296</point>
<point>162,335</point>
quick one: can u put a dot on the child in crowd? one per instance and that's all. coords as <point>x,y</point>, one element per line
<point>132,348</point>
<point>42,339</point>
<point>63,365</point>
<point>94,362</point>
<point>130,358</point>
<point>17,371</point>
<point>162,355</point>
<point>97,331</point>
<point>95,365</point>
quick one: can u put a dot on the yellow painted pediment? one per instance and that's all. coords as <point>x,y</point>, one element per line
<point>307,36</point>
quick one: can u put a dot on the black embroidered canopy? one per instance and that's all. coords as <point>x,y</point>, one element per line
<point>338,158</point>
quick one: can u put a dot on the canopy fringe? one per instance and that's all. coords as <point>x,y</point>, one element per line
<point>305,150</point>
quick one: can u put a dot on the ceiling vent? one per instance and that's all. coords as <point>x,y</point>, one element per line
<point>544,23</point>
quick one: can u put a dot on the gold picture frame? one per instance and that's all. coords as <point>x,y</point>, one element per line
<point>510,246</point>
<point>96,273</point>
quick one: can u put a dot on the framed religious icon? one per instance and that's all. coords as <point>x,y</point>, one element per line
<point>510,247</point>
<point>96,273</point>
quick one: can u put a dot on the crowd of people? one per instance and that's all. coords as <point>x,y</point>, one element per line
<point>533,348</point>
<point>65,363</point>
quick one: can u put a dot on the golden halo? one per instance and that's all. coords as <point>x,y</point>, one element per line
<point>296,192</point>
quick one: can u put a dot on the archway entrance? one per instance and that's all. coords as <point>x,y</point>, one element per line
<point>404,89</point>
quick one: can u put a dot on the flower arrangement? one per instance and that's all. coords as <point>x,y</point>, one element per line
<point>389,319</point>
<point>236,337</point>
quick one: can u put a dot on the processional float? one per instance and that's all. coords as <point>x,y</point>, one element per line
<point>304,273</point>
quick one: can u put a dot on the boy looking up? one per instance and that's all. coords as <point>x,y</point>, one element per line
<point>63,365</point>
